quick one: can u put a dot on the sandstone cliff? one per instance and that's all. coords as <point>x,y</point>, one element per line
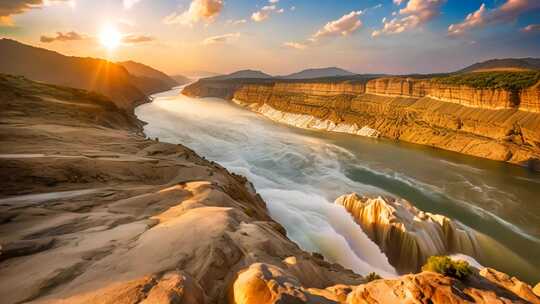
<point>490,123</point>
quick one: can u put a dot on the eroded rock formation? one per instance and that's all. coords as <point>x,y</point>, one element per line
<point>407,235</point>
<point>267,284</point>
<point>494,124</point>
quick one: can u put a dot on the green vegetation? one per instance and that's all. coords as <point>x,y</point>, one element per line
<point>372,276</point>
<point>511,81</point>
<point>448,267</point>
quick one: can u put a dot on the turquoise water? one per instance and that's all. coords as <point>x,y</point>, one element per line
<point>300,173</point>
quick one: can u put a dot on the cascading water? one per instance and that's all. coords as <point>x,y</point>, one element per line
<point>300,174</point>
<point>407,235</point>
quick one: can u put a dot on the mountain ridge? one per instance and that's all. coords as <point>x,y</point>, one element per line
<point>311,73</point>
<point>94,74</point>
<point>502,64</point>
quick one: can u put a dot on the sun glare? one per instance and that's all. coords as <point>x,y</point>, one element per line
<point>110,37</point>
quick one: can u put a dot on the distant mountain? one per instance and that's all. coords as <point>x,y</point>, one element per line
<point>142,70</point>
<point>181,79</point>
<point>243,74</point>
<point>199,74</point>
<point>102,76</point>
<point>319,73</point>
<point>506,64</point>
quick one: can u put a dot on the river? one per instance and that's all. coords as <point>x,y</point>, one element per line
<point>299,173</point>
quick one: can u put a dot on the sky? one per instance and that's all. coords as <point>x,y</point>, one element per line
<point>280,36</point>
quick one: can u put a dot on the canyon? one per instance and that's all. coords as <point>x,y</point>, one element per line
<point>98,213</point>
<point>497,124</point>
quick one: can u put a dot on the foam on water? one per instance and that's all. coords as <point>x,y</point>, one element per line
<point>297,176</point>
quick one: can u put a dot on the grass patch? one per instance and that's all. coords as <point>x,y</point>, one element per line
<point>448,267</point>
<point>511,81</point>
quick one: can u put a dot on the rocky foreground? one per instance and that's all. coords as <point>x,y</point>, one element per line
<point>93,212</point>
<point>498,124</point>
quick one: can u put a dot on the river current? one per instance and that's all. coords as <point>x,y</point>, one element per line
<point>300,173</point>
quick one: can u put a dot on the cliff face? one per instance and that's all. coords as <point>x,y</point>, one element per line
<point>494,124</point>
<point>467,96</point>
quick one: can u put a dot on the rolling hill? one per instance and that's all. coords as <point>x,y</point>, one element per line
<point>252,74</point>
<point>98,75</point>
<point>506,64</point>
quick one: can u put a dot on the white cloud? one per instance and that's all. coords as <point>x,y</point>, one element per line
<point>343,26</point>
<point>472,20</point>
<point>295,45</point>
<point>221,38</point>
<point>263,13</point>
<point>199,10</point>
<point>414,14</point>
<point>273,1</point>
<point>237,22</point>
<point>507,12</point>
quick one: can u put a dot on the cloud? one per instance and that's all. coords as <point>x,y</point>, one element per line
<point>236,22</point>
<point>507,12</point>
<point>68,36</point>
<point>221,38</point>
<point>199,10</point>
<point>474,19</point>
<point>531,28</point>
<point>295,45</point>
<point>9,8</point>
<point>136,39</point>
<point>263,13</point>
<point>343,26</point>
<point>416,13</point>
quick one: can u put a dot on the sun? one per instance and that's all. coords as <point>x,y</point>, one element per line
<point>110,37</point>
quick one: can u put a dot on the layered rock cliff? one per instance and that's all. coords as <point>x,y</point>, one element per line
<point>406,235</point>
<point>490,123</point>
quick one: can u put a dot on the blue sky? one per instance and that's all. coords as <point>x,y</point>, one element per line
<point>365,36</point>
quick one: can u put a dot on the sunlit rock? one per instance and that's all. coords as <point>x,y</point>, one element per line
<point>408,236</point>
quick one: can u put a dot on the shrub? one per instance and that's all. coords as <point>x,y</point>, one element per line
<point>372,276</point>
<point>448,267</point>
<point>511,81</point>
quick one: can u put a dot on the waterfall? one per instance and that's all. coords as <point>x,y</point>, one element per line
<point>407,235</point>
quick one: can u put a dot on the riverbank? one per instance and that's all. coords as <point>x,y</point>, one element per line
<point>94,212</point>
<point>487,123</point>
